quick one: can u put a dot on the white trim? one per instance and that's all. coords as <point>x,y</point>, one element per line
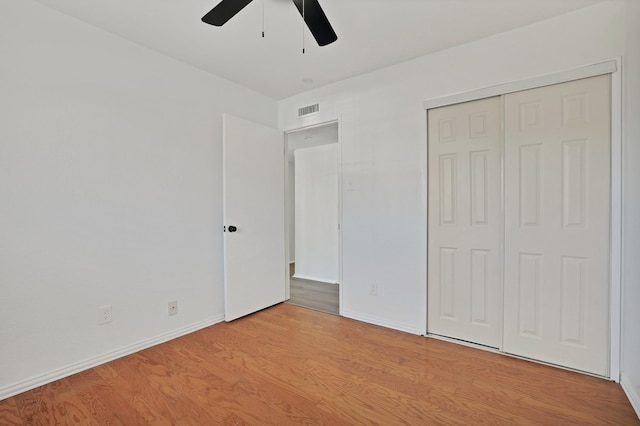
<point>632,394</point>
<point>60,373</point>
<point>313,126</point>
<point>310,278</point>
<point>287,219</point>
<point>615,255</point>
<point>612,67</point>
<point>530,83</point>
<point>424,212</point>
<point>340,203</point>
<point>407,328</point>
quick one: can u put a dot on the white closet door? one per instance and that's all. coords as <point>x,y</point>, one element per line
<point>465,222</point>
<point>557,201</point>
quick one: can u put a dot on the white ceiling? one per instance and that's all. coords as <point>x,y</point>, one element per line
<point>372,34</point>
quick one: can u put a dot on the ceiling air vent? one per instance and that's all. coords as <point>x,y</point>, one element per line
<point>308,110</point>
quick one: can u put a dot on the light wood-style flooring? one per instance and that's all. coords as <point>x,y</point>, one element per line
<point>321,297</point>
<point>288,365</point>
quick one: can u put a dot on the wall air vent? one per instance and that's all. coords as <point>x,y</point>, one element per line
<point>308,110</point>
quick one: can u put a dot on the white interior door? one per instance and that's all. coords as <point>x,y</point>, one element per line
<point>465,222</point>
<point>557,201</point>
<point>254,254</point>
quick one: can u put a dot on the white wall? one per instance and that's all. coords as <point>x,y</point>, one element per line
<point>384,147</point>
<point>631,214</point>
<point>110,193</point>
<point>316,213</point>
<point>303,138</point>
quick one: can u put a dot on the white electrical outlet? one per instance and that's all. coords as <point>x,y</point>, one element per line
<point>105,315</point>
<point>173,308</point>
<point>373,290</point>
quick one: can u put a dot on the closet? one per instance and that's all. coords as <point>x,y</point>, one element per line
<point>518,223</point>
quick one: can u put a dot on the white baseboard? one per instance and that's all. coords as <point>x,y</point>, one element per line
<point>632,393</point>
<point>382,322</point>
<point>43,379</point>
<point>310,278</point>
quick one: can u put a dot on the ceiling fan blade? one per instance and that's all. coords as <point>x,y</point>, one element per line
<point>224,11</point>
<point>317,21</point>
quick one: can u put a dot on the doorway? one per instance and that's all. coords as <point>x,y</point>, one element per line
<point>313,217</point>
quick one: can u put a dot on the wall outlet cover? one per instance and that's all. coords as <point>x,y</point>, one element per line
<point>105,314</point>
<point>173,308</point>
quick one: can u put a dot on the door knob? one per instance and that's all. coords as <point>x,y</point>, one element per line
<point>232,228</point>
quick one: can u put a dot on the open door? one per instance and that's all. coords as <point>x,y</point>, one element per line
<point>254,217</point>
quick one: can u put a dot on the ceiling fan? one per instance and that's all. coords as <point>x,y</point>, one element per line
<point>310,10</point>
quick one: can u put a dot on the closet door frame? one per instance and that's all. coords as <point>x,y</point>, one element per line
<point>612,68</point>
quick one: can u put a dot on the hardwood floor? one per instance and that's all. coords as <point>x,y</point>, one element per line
<point>288,365</point>
<point>314,295</point>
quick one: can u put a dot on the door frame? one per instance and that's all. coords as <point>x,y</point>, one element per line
<point>612,67</point>
<point>288,203</point>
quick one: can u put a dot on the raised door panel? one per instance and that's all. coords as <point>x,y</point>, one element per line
<point>557,199</point>
<point>465,224</point>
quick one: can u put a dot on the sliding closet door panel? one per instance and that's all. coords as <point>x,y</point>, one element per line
<point>557,200</point>
<point>465,222</point>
